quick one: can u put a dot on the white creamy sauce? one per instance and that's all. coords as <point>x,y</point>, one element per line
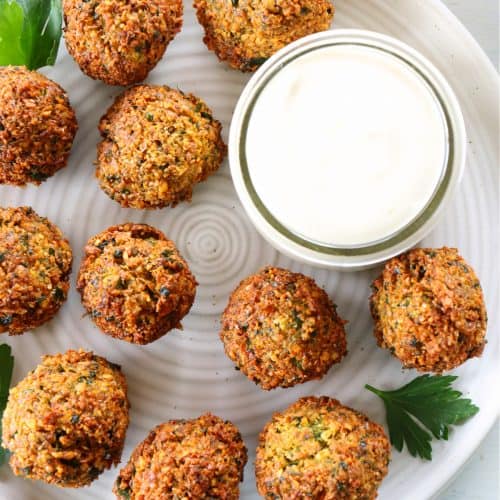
<point>346,145</point>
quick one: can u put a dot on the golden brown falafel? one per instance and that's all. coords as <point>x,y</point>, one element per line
<point>37,126</point>
<point>429,309</point>
<point>120,42</point>
<point>247,32</point>
<point>157,144</point>
<point>189,459</point>
<point>318,448</point>
<point>281,329</point>
<point>65,423</point>
<point>35,264</point>
<point>134,283</point>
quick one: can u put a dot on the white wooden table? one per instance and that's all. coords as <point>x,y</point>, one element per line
<point>479,480</point>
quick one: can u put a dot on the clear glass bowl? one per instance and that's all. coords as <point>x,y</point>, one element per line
<point>357,256</point>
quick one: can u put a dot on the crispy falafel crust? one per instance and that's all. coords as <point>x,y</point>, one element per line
<point>35,265</point>
<point>120,42</point>
<point>281,329</point>
<point>157,144</point>
<point>37,126</point>
<point>429,309</point>
<point>195,459</point>
<point>134,283</point>
<point>247,32</point>
<point>65,422</point>
<point>318,448</point>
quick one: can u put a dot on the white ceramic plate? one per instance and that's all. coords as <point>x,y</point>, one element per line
<point>186,373</point>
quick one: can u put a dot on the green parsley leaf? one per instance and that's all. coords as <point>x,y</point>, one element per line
<point>30,31</point>
<point>6,367</point>
<point>428,400</point>
<point>11,23</point>
<point>124,493</point>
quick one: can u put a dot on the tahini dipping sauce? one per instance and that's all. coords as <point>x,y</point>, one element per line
<point>346,145</point>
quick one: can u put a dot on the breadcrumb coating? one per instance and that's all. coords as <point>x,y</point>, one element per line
<point>247,32</point>
<point>318,448</point>
<point>429,309</point>
<point>37,127</point>
<point>281,329</point>
<point>157,144</point>
<point>65,422</point>
<point>120,42</point>
<point>35,265</point>
<point>134,283</point>
<point>195,459</point>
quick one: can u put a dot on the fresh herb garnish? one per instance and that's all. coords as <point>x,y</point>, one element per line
<point>124,493</point>
<point>254,62</point>
<point>30,31</point>
<point>6,320</point>
<point>427,400</point>
<point>6,367</point>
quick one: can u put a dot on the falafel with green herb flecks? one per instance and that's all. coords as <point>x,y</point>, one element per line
<point>65,422</point>
<point>281,329</point>
<point>429,309</point>
<point>120,42</point>
<point>245,33</point>
<point>134,283</point>
<point>157,144</point>
<point>35,265</point>
<point>37,126</point>
<point>200,459</point>
<point>318,448</point>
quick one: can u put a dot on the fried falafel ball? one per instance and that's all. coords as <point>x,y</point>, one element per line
<point>120,42</point>
<point>429,309</point>
<point>37,126</point>
<point>35,265</point>
<point>199,459</point>
<point>247,32</point>
<point>281,329</point>
<point>134,283</point>
<point>157,144</point>
<point>65,423</point>
<point>318,448</point>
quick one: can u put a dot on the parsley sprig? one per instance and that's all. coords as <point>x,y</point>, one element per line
<point>30,31</point>
<point>6,367</point>
<point>426,400</point>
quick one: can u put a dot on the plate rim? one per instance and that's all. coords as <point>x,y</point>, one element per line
<point>492,418</point>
